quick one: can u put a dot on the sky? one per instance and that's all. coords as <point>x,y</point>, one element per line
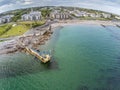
<point>112,6</point>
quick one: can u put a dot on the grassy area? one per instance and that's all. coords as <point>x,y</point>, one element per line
<point>32,22</point>
<point>19,29</point>
<point>14,31</point>
<point>5,28</point>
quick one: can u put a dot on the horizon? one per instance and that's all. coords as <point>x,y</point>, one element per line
<point>56,6</point>
<point>107,6</point>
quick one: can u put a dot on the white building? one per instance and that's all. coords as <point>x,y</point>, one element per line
<point>59,15</point>
<point>6,19</point>
<point>83,13</point>
<point>78,13</point>
<point>98,15</point>
<point>0,20</point>
<point>93,15</point>
<point>117,17</point>
<point>106,15</point>
<point>33,15</point>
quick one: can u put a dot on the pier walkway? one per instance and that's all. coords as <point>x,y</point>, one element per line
<point>43,58</point>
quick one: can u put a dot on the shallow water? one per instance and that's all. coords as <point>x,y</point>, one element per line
<point>85,57</point>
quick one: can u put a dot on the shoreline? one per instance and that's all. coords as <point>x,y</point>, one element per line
<point>31,39</point>
<point>78,22</point>
<point>36,37</point>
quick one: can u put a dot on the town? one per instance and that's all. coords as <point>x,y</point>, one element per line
<point>55,13</point>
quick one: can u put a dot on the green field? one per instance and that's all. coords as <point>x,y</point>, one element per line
<point>4,28</point>
<point>31,22</point>
<point>9,30</point>
<point>14,31</point>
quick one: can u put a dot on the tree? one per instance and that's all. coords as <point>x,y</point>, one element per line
<point>112,16</point>
<point>45,12</point>
<point>17,15</point>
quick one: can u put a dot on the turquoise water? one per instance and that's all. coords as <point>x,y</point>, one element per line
<point>85,57</point>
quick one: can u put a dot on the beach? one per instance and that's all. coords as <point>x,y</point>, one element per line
<point>77,22</point>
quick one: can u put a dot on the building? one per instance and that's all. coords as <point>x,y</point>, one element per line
<point>6,19</point>
<point>93,15</point>
<point>98,15</point>
<point>83,13</point>
<point>78,13</point>
<point>0,20</point>
<point>33,15</point>
<point>106,15</point>
<point>59,15</point>
<point>117,17</point>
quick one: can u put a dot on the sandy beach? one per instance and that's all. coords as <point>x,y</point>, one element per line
<point>75,22</point>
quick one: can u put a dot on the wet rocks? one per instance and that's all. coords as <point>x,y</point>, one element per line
<point>30,40</point>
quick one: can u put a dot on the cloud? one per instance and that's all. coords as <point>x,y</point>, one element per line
<point>5,7</point>
<point>104,5</point>
<point>27,2</point>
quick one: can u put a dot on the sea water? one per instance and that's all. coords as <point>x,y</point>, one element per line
<point>84,57</point>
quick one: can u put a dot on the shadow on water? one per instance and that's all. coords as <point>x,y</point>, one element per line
<point>117,37</point>
<point>114,33</point>
<point>118,57</point>
<point>83,87</point>
<point>22,67</point>
<point>111,78</point>
<point>50,65</point>
<point>22,64</point>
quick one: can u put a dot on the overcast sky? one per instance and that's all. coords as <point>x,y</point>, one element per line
<point>104,5</point>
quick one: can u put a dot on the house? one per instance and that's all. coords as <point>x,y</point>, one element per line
<point>33,15</point>
<point>117,17</point>
<point>59,15</point>
<point>78,13</point>
<point>106,15</point>
<point>93,15</point>
<point>6,19</point>
<point>83,13</point>
<point>98,15</point>
<point>0,20</point>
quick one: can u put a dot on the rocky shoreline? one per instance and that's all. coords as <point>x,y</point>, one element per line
<point>39,35</point>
